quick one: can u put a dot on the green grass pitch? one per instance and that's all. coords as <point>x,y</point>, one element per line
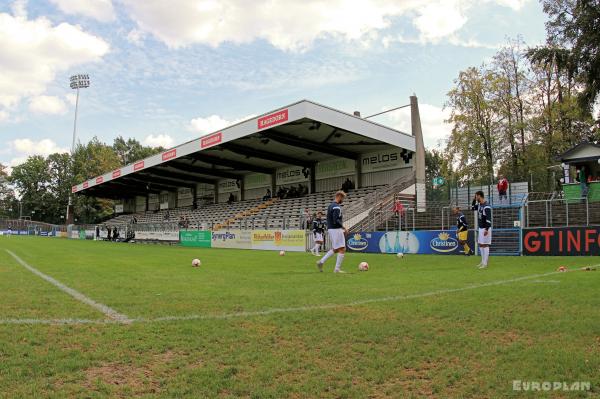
<point>253,324</point>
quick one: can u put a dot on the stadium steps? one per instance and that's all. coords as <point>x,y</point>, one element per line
<point>376,207</point>
<point>244,214</point>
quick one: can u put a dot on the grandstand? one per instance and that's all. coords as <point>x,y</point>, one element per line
<point>234,178</point>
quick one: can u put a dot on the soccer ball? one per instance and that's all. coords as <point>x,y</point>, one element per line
<point>196,263</point>
<point>400,255</point>
<point>363,267</point>
<point>281,253</point>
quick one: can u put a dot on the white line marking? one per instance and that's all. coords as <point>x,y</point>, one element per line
<point>109,312</point>
<point>277,310</point>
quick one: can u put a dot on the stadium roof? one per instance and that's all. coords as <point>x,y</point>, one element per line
<point>300,134</point>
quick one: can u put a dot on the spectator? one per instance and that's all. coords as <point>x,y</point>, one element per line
<point>109,233</point>
<point>97,233</point>
<point>281,193</point>
<point>347,185</point>
<point>231,198</point>
<point>582,175</point>
<point>502,187</point>
<point>267,195</point>
<point>292,193</point>
<point>398,208</point>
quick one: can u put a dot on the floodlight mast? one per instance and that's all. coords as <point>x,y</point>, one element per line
<point>76,82</point>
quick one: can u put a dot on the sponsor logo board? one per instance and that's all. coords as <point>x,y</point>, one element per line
<point>211,140</point>
<point>562,241</point>
<point>273,119</point>
<point>169,154</point>
<point>442,242</point>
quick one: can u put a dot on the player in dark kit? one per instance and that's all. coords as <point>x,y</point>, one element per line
<point>337,233</point>
<point>318,230</point>
<point>462,230</point>
<point>484,218</point>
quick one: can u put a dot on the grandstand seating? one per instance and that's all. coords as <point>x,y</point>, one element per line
<point>252,214</point>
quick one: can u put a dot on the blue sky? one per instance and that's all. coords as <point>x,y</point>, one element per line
<point>165,72</point>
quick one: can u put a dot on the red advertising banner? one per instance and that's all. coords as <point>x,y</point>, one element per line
<point>211,140</point>
<point>116,173</point>
<point>74,189</point>
<point>138,165</point>
<point>99,179</point>
<point>273,119</point>
<point>86,184</point>
<point>169,154</point>
<point>562,241</point>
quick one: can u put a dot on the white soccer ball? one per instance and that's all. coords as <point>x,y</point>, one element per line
<point>281,253</point>
<point>363,266</point>
<point>400,255</point>
<point>196,263</point>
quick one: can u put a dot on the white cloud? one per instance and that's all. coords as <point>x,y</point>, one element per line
<point>71,98</point>
<point>136,36</point>
<point>439,19</point>
<point>213,123</point>
<point>101,10</point>
<point>159,140</point>
<point>435,130</point>
<point>34,51</point>
<point>23,148</point>
<point>3,116</point>
<point>292,25</point>
<point>286,24</point>
<point>50,105</point>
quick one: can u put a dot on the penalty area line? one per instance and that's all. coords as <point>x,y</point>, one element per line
<point>271,311</point>
<point>108,311</point>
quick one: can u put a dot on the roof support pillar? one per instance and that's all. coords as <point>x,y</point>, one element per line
<point>313,178</point>
<point>358,177</point>
<point>147,202</point>
<point>195,197</point>
<point>242,189</point>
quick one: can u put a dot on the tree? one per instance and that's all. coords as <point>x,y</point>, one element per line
<point>32,180</point>
<point>8,201</point>
<point>90,160</point>
<point>131,150</point>
<point>576,25</point>
<point>474,136</point>
<point>436,166</point>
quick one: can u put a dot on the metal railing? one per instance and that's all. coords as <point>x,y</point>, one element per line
<point>557,212</point>
<point>374,209</point>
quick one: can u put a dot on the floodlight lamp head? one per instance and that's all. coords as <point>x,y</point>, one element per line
<point>80,81</point>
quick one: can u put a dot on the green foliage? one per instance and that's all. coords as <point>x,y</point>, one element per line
<point>44,184</point>
<point>131,150</point>
<point>515,115</point>
<point>8,202</point>
<point>576,25</point>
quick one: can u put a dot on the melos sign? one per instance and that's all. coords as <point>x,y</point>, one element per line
<point>382,160</point>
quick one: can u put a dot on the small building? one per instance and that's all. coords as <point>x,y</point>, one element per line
<point>584,155</point>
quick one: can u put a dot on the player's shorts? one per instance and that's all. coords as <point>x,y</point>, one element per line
<point>463,235</point>
<point>485,240</point>
<point>318,237</point>
<point>337,237</point>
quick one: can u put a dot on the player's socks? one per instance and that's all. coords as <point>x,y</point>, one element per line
<point>467,249</point>
<point>315,249</point>
<point>486,255</point>
<point>338,262</point>
<point>327,255</point>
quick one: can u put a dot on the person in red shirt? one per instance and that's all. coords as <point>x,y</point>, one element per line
<point>502,187</point>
